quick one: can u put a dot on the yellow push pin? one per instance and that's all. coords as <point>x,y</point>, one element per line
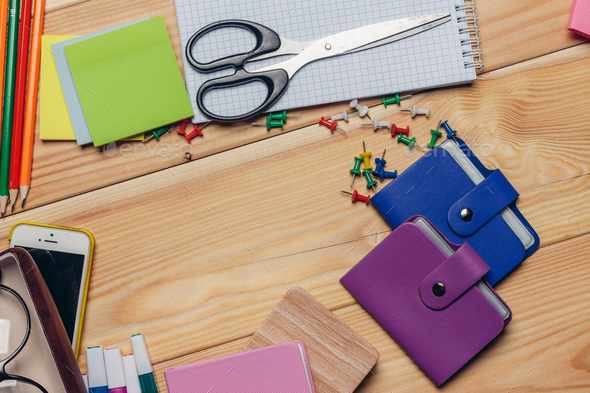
<point>366,157</point>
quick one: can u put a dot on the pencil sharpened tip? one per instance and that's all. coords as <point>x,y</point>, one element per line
<point>22,204</point>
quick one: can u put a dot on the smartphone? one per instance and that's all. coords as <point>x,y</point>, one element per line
<point>63,256</point>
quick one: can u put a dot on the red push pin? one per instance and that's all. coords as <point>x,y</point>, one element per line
<point>190,135</point>
<point>331,125</point>
<point>358,197</point>
<point>399,130</point>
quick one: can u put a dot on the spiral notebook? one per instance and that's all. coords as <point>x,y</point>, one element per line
<point>445,55</point>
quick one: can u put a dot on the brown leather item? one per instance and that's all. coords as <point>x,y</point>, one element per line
<point>47,358</point>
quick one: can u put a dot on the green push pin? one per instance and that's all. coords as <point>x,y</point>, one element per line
<point>370,182</point>
<point>280,116</point>
<point>157,133</point>
<point>435,135</point>
<point>408,141</point>
<point>270,124</point>
<point>357,169</point>
<point>394,100</point>
<point>433,138</point>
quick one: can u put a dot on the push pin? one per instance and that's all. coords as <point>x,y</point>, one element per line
<point>435,135</point>
<point>383,174</point>
<point>366,157</point>
<point>370,182</point>
<point>399,130</point>
<point>450,132</point>
<point>341,116</point>
<point>357,169</point>
<point>190,135</point>
<point>362,110</point>
<point>380,162</point>
<point>270,124</point>
<point>157,133</point>
<point>394,100</point>
<point>409,142</point>
<point>379,124</point>
<point>417,111</point>
<point>280,116</point>
<point>331,125</point>
<point>358,197</point>
<point>380,171</point>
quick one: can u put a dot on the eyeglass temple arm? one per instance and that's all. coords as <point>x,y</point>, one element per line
<point>26,380</point>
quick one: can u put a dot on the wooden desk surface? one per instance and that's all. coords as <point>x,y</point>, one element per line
<point>196,254</point>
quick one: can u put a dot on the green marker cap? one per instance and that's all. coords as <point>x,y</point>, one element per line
<point>144,366</point>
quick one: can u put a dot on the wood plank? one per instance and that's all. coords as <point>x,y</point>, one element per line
<point>61,169</point>
<point>544,348</point>
<point>54,5</point>
<point>190,278</point>
<point>536,352</point>
<point>514,32</point>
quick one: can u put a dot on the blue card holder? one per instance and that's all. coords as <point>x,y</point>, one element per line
<point>466,201</point>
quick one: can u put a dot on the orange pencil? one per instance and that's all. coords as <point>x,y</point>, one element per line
<point>31,101</point>
<point>19,100</point>
<point>3,24</point>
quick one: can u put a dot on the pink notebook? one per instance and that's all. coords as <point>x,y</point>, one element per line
<point>580,18</point>
<point>281,368</point>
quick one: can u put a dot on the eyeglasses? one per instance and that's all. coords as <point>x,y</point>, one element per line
<point>15,322</point>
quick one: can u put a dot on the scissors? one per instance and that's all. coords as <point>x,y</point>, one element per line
<point>268,44</point>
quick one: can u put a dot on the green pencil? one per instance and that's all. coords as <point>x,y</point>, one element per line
<point>9,85</point>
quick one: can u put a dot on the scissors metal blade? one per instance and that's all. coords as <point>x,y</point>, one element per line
<point>287,47</point>
<point>360,39</point>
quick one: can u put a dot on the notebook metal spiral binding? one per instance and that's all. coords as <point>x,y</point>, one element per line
<point>470,30</point>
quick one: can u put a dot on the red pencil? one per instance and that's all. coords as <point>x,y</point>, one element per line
<point>19,102</point>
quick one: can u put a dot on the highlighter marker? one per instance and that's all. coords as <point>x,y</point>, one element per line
<point>131,376</point>
<point>85,378</point>
<point>97,374</point>
<point>115,374</point>
<point>144,366</point>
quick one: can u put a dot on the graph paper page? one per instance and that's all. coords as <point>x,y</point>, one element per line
<point>425,60</point>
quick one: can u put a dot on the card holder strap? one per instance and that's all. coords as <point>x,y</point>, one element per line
<point>452,278</point>
<point>481,204</point>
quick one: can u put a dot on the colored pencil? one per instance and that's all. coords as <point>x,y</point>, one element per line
<point>3,23</point>
<point>7,115</point>
<point>19,100</point>
<point>31,101</point>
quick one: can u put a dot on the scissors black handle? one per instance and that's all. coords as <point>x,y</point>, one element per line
<point>266,41</point>
<point>275,80</point>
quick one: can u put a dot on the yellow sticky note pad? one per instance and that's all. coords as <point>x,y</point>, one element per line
<point>55,124</point>
<point>55,121</point>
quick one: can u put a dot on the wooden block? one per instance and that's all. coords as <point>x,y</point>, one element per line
<point>338,356</point>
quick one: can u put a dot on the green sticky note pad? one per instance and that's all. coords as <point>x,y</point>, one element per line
<point>128,81</point>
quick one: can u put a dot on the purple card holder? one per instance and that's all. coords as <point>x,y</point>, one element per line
<point>440,326</point>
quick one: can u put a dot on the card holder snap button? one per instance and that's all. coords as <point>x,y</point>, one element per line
<point>467,215</point>
<point>438,289</point>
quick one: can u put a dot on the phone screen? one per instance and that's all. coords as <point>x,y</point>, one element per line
<point>62,272</point>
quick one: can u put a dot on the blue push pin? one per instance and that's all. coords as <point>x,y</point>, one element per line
<point>450,132</point>
<point>387,175</point>
<point>380,163</point>
<point>380,172</point>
